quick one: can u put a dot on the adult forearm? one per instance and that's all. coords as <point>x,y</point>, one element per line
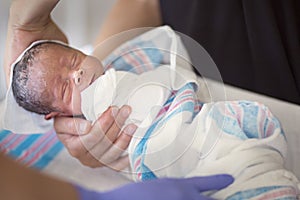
<point>28,14</point>
<point>19,182</point>
<point>128,14</point>
<point>29,20</point>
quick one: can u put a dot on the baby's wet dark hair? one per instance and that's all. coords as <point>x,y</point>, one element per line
<point>32,99</point>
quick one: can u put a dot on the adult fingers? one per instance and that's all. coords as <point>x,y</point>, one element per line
<point>98,131</point>
<point>73,145</point>
<point>72,126</point>
<point>119,164</point>
<point>207,183</point>
<point>105,137</point>
<point>67,132</point>
<point>119,120</point>
<point>76,149</point>
<point>90,161</point>
<point>118,147</point>
<point>111,157</point>
<point>96,143</point>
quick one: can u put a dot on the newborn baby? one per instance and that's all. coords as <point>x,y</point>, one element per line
<point>54,79</point>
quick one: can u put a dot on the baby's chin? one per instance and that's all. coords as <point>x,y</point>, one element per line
<point>77,113</point>
<point>74,112</point>
<point>79,116</point>
<point>97,75</point>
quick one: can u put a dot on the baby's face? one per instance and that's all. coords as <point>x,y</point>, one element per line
<point>65,73</point>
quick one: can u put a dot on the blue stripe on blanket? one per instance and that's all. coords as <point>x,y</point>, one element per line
<point>135,57</point>
<point>187,104</point>
<point>48,156</point>
<point>36,150</point>
<point>140,150</point>
<point>272,192</point>
<point>245,119</point>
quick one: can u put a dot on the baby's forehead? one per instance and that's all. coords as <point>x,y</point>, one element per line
<point>54,47</point>
<point>51,50</point>
<point>39,50</point>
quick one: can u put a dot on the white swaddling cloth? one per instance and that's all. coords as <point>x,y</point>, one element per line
<point>145,93</point>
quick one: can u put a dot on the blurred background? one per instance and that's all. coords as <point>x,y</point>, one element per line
<point>80,20</point>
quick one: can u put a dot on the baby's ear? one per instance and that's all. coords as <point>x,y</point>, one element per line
<point>51,115</point>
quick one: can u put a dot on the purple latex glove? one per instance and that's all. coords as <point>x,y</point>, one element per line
<point>162,189</point>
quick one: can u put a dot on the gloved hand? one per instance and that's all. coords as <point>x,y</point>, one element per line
<point>162,189</point>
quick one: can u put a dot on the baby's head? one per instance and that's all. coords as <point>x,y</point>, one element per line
<point>50,76</point>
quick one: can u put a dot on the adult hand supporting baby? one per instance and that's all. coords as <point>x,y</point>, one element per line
<point>29,21</point>
<point>100,144</point>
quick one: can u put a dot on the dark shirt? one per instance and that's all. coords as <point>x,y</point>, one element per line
<point>254,43</point>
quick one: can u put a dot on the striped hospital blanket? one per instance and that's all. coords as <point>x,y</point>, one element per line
<point>241,120</point>
<point>35,150</point>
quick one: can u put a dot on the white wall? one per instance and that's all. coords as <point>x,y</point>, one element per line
<point>79,19</point>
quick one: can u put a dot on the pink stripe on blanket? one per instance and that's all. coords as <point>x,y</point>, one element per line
<point>130,59</point>
<point>42,151</point>
<point>239,113</point>
<point>277,193</point>
<point>45,139</point>
<point>270,129</point>
<point>137,163</point>
<point>145,59</point>
<point>163,111</point>
<point>261,118</point>
<point>178,104</point>
<point>8,139</point>
<point>17,142</point>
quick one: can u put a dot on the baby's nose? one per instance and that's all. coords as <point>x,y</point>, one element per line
<point>78,76</point>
